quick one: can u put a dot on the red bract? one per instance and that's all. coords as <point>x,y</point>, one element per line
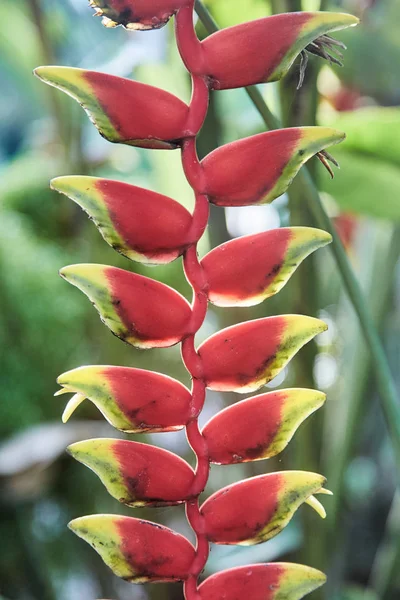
<point>137,550</point>
<point>264,50</point>
<point>258,169</point>
<point>136,14</point>
<point>245,271</point>
<point>142,225</point>
<point>257,509</point>
<point>154,118</point>
<point>262,582</point>
<point>154,229</point>
<point>259,427</point>
<point>129,304</point>
<point>244,357</point>
<point>132,400</point>
<point>136,474</point>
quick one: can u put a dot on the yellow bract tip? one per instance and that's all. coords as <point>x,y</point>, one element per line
<point>61,392</point>
<point>72,405</point>
<point>317,506</point>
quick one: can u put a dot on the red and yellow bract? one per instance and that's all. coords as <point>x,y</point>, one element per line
<point>152,228</point>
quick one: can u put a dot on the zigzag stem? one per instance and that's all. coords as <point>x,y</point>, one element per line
<point>195,275</point>
<point>189,45</point>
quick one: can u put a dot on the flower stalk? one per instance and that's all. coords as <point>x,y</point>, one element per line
<point>148,314</point>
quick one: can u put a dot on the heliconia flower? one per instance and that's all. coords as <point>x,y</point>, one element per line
<point>254,510</point>
<point>136,14</point>
<point>142,225</point>
<point>130,304</point>
<point>136,474</point>
<point>245,271</point>
<point>244,357</point>
<point>132,400</point>
<point>270,581</point>
<point>136,550</point>
<point>258,169</point>
<point>124,111</point>
<point>263,50</point>
<point>259,427</point>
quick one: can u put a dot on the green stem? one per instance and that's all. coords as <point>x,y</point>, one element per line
<point>385,384</point>
<point>379,245</point>
<point>383,375</point>
<point>48,57</point>
<point>384,568</point>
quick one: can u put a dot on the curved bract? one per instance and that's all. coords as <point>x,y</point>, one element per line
<point>124,111</point>
<point>273,581</point>
<point>258,169</point>
<point>132,400</point>
<point>255,510</point>
<point>244,357</point>
<point>263,50</point>
<point>259,427</point>
<point>140,224</point>
<point>136,550</point>
<point>153,229</point>
<point>136,474</point>
<point>128,304</point>
<point>246,270</point>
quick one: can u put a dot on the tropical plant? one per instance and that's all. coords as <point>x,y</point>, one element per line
<point>154,229</point>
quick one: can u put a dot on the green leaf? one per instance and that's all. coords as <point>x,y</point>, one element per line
<point>366,185</point>
<point>373,131</point>
<point>228,13</point>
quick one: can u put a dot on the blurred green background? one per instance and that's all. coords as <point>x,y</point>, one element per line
<point>47,327</point>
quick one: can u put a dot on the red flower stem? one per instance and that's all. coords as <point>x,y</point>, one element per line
<point>188,43</point>
<point>191,53</point>
<point>196,277</point>
<point>191,165</point>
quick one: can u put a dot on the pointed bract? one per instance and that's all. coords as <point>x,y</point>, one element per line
<point>142,225</point>
<point>273,581</point>
<point>244,357</point>
<point>136,550</point>
<point>257,509</point>
<point>129,304</point>
<point>136,14</point>
<point>124,111</point>
<point>258,169</point>
<point>132,400</point>
<point>136,474</point>
<point>263,50</point>
<point>245,271</point>
<point>259,427</point>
